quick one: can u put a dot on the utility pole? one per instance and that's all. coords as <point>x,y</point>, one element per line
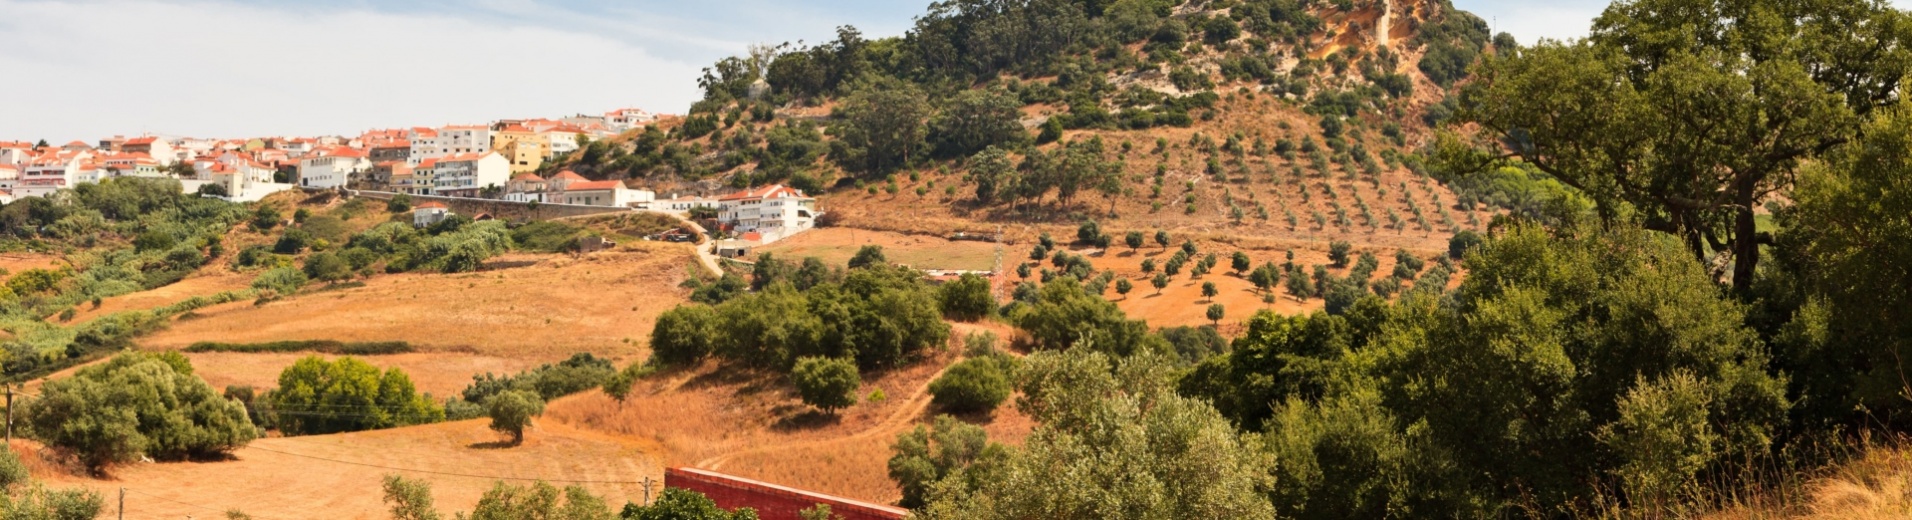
<point>122,504</point>
<point>647,490</point>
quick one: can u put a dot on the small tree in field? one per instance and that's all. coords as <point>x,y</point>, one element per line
<point>1160,282</point>
<point>1208,290</point>
<point>1161,238</point>
<point>1340,252</point>
<point>1133,239</point>
<point>511,411</point>
<point>827,383</point>
<point>1215,314</point>
<point>1148,266</point>
<point>1123,286</point>
<point>1241,263</point>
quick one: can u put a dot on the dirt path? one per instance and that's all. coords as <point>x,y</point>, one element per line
<point>919,401</point>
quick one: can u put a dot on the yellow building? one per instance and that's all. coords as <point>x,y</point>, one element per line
<point>525,149</point>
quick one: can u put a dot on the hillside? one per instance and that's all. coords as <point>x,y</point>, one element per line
<point>1288,123</point>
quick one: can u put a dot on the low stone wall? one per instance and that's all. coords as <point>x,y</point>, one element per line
<point>501,209</point>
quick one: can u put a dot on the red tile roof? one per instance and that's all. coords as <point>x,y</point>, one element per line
<point>568,175</point>
<point>590,186</point>
<point>528,177</point>
<point>763,192</point>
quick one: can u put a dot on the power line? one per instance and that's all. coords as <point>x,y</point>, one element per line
<point>445,473</point>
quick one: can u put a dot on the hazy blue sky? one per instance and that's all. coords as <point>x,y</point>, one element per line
<point>83,69</point>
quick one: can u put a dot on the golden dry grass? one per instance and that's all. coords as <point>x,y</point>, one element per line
<point>752,425</point>
<point>335,476</point>
<point>836,245</point>
<point>602,303</point>
<point>441,374</point>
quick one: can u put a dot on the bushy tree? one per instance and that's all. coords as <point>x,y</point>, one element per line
<point>881,127</point>
<point>137,405</point>
<point>968,298</point>
<point>974,120</point>
<point>868,256</point>
<point>316,396</point>
<point>684,335</point>
<point>1340,253</point>
<point>282,280</point>
<point>1065,315</point>
<point>539,500</point>
<point>974,385</point>
<point>683,504</point>
<point>411,499</point>
<point>829,384</point>
<point>511,412</point>
<point>923,456</point>
<point>1112,444</point>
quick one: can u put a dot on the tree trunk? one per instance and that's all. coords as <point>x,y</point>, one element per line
<point>1745,241</point>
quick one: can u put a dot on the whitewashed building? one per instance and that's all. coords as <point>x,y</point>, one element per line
<point>467,175</point>
<point>328,168</point>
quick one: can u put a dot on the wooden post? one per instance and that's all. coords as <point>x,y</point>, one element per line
<point>9,416</point>
<point>122,504</point>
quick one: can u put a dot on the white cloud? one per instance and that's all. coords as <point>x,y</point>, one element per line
<point>219,69</point>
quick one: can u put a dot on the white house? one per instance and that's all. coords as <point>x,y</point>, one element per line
<point>677,204</point>
<point>159,150</point>
<point>605,193</point>
<point>424,145</point>
<point>429,212</point>
<point>464,139</point>
<point>15,153</point>
<point>771,209</point>
<point>464,175</point>
<point>50,172</point>
<point>526,187</point>
<point>328,168</point>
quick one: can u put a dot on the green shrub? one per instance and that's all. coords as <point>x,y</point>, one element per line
<point>137,405</point>
<point>973,385</point>
<point>511,412</point>
<point>547,236</point>
<point>282,280</point>
<point>967,298</point>
<point>316,396</point>
<point>580,372</point>
<point>827,383</point>
<point>684,335</point>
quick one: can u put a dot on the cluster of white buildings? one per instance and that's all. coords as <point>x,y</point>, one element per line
<point>456,160</point>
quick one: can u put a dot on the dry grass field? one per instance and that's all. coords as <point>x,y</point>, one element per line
<point>754,426</point>
<point>836,245</point>
<point>547,308</point>
<point>338,476</point>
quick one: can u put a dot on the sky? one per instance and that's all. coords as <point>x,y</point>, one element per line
<point>87,69</point>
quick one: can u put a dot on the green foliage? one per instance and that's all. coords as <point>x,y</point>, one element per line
<point>867,256</point>
<point>316,396</point>
<point>1653,74</point>
<point>283,280</point>
<point>511,411</point>
<point>1194,344</point>
<point>1339,253</point>
<point>974,120</point>
<point>1844,254</point>
<point>539,500</point>
<point>1113,442</point>
<point>881,315</point>
<point>923,456</point>
<point>881,127</point>
<point>683,504</point>
<point>582,371</point>
<point>684,335</point>
<point>968,298</point>
<point>1462,242</point>
<point>547,236</point>
<point>13,473</point>
<point>327,267</point>
<point>411,499</point>
<point>137,405</point>
<point>41,503</point>
<point>1064,316</point>
<point>974,385</point>
<point>827,383</point>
